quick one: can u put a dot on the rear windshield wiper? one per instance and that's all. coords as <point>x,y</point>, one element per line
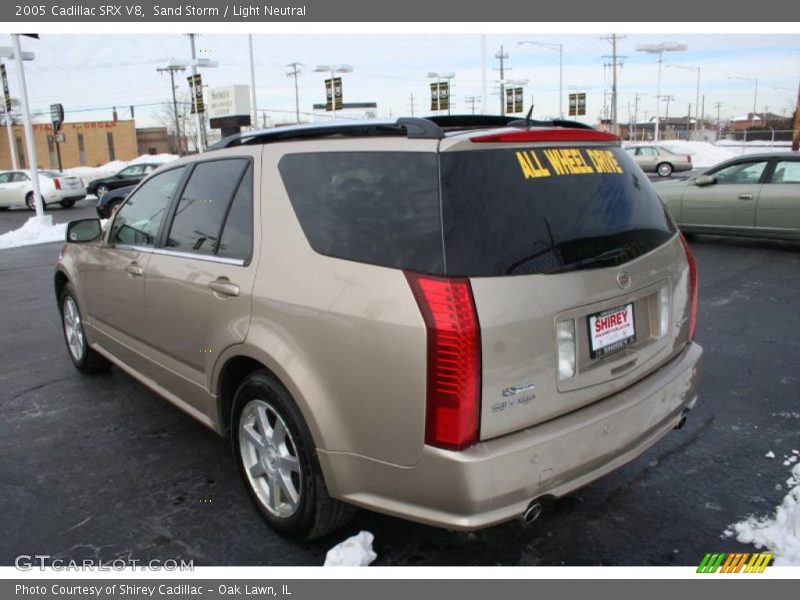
<point>603,257</point>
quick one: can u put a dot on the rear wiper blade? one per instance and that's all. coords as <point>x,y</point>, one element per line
<point>607,256</point>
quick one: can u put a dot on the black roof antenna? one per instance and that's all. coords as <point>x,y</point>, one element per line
<point>528,118</point>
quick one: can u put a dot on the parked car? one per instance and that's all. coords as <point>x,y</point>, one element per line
<point>449,320</point>
<point>751,195</point>
<point>16,189</point>
<point>108,204</point>
<point>130,175</point>
<point>657,159</point>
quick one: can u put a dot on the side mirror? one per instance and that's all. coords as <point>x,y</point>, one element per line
<point>84,230</point>
<point>702,180</point>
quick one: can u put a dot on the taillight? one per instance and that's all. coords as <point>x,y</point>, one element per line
<point>57,181</point>
<point>692,287</point>
<point>454,359</point>
<point>689,157</point>
<point>548,135</point>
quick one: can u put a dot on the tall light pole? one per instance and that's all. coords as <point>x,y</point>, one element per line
<point>172,67</point>
<point>660,49</point>
<point>19,56</point>
<point>560,49</point>
<point>195,63</point>
<point>333,70</point>
<point>755,94</point>
<point>697,92</point>
<point>448,76</point>
<point>253,82</point>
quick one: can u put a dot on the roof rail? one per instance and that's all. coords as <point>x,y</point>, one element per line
<point>432,128</point>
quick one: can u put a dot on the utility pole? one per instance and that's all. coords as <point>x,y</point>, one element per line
<point>703,113</point>
<point>294,73</point>
<point>667,99</point>
<point>719,121</point>
<point>471,100</point>
<point>796,136</point>
<point>636,111</point>
<point>614,58</point>
<point>483,70</point>
<point>502,56</point>
<point>172,69</point>
<point>411,104</point>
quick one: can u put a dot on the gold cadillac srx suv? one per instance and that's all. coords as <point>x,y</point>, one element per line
<point>450,320</point>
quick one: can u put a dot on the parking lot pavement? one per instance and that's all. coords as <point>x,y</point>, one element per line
<point>15,218</point>
<point>99,467</point>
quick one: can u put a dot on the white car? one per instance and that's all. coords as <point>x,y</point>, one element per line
<point>16,189</point>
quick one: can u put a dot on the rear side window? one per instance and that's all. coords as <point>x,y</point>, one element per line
<point>546,210</point>
<point>380,208</point>
<point>204,204</point>
<point>236,240</point>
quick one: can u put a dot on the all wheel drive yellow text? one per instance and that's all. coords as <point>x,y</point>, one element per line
<point>566,161</point>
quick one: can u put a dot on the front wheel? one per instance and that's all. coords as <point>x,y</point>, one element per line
<point>278,462</point>
<point>101,191</point>
<point>30,203</point>
<point>84,358</point>
<point>664,169</point>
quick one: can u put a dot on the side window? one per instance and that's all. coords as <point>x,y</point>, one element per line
<point>19,177</point>
<point>5,177</point>
<point>236,240</point>
<point>787,171</point>
<point>139,219</point>
<point>202,208</point>
<point>132,171</point>
<point>746,172</point>
<point>630,151</point>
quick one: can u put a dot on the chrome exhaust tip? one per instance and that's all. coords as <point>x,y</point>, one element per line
<point>533,512</point>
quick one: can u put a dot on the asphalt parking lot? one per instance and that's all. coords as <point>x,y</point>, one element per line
<point>100,467</point>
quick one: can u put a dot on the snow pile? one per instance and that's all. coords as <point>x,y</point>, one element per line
<point>779,534</point>
<point>353,552</point>
<point>35,231</point>
<point>88,174</point>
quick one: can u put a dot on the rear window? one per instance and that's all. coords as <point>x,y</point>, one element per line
<point>375,207</point>
<point>545,210</point>
<point>477,213</point>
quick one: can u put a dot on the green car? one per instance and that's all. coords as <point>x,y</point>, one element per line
<point>753,195</point>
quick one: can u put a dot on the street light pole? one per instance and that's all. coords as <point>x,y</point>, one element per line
<point>333,70</point>
<point>26,115</point>
<point>660,49</point>
<point>755,94</point>
<point>7,112</point>
<point>560,49</point>
<point>253,82</point>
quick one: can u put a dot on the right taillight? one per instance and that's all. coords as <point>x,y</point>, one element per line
<point>453,392</point>
<point>692,287</point>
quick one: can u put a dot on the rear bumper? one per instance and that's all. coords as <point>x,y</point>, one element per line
<point>495,481</point>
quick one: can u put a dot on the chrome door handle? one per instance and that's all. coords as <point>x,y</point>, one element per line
<point>745,196</point>
<point>224,287</point>
<point>134,270</point>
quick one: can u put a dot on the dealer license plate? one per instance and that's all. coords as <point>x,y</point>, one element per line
<point>611,330</point>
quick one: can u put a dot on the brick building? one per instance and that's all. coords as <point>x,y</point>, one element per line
<point>89,143</point>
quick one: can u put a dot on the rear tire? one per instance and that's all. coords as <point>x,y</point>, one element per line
<point>67,203</point>
<point>664,169</point>
<point>278,461</point>
<point>83,357</point>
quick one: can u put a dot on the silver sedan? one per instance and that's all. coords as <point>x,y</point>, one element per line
<point>655,159</point>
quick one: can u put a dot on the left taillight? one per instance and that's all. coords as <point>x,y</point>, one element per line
<point>692,287</point>
<point>57,183</point>
<point>453,359</point>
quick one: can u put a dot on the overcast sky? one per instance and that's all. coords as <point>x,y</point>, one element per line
<point>89,74</point>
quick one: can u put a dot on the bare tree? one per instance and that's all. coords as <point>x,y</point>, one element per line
<point>188,123</point>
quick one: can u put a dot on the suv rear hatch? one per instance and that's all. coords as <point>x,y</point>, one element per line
<point>579,279</point>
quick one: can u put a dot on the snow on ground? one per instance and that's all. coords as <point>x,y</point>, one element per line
<point>779,534</point>
<point>88,174</point>
<point>35,231</point>
<point>355,551</point>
